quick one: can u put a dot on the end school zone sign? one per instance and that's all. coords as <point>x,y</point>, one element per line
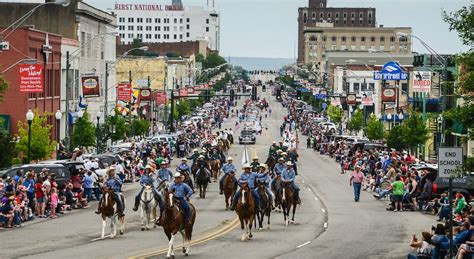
<point>450,161</point>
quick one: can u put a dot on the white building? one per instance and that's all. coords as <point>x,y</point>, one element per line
<point>167,23</point>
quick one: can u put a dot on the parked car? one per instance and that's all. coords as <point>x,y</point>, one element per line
<point>61,173</point>
<point>247,136</point>
<point>328,125</point>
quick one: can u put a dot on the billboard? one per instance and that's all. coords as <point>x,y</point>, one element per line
<point>124,92</point>
<point>335,101</point>
<point>367,100</point>
<point>389,95</point>
<point>161,98</point>
<point>145,95</point>
<point>351,99</point>
<point>421,81</point>
<point>31,78</point>
<point>90,86</point>
<point>391,71</point>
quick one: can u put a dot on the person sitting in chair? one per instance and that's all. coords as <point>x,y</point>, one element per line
<point>182,192</point>
<point>247,177</point>
<point>228,168</point>
<point>289,176</point>
<point>113,182</point>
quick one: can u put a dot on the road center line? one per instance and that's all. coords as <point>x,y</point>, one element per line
<point>325,224</point>
<point>323,210</point>
<point>304,244</point>
<point>315,198</point>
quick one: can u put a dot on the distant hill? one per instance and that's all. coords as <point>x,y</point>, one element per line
<point>260,63</point>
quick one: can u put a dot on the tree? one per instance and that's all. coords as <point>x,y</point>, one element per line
<point>84,134</point>
<point>119,123</point>
<point>357,121</point>
<point>374,128</point>
<point>395,138</point>
<point>183,108</point>
<point>213,60</point>
<point>41,145</point>
<point>414,131</point>
<point>140,127</point>
<point>8,147</point>
<point>3,87</point>
<point>103,137</point>
<point>335,114</point>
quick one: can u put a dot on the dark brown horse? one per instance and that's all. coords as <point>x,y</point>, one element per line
<point>265,208</point>
<point>271,162</point>
<point>229,189</point>
<point>173,221</point>
<point>276,190</point>
<point>246,211</point>
<point>108,210</point>
<point>215,168</point>
<point>287,202</point>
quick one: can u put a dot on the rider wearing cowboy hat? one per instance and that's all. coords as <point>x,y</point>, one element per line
<point>195,155</point>
<point>113,182</point>
<point>228,168</point>
<point>164,174</point>
<point>289,176</point>
<point>182,192</point>
<point>183,166</point>
<point>266,179</point>
<point>202,165</point>
<point>255,164</point>
<point>247,177</point>
<point>146,179</point>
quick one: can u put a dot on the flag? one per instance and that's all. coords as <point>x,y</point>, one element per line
<point>245,156</point>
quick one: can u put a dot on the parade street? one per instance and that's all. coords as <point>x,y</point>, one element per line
<point>328,224</point>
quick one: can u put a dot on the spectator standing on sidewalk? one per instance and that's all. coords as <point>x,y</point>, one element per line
<point>88,185</point>
<point>356,180</point>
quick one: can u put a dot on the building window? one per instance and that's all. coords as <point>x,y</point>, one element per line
<point>345,22</point>
<point>139,20</point>
<point>139,28</point>
<point>314,15</point>
<point>337,21</point>
<point>352,15</point>
<point>122,19</point>
<point>324,38</point>
<point>130,27</point>
<point>187,34</point>
<point>157,20</point>
<point>175,37</point>
<point>187,26</point>
<point>130,19</point>
<point>324,46</point>
<point>148,20</point>
<point>130,35</point>
<point>122,35</point>
<point>122,27</point>
<point>157,28</point>
<point>181,36</point>
<point>382,38</point>
<point>333,38</point>
<point>148,28</point>
<point>321,20</point>
<point>360,15</point>
<point>352,21</point>
<point>166,28</point>
<point>362,38</point>
<point>329,15</point>
<point>175,20</point>
<point>333,47</point>
<point>343,38</point>
<point>181,20</point>
<point>207,29</point>
<point>353,38</point>
<point>337,15</point>
<point>360,22</point>
<point>188,20</point>
<point>148,36</point>
<point>321,15</point>
<point>362,47</point>
<point>207,21</point>
<point>313,38</point>
<point>140,36</point>
<point>166,36</point>
<point>372,39</point>
<point>369,21</point>
<point>392,39</point>
<point>353,47</point>
<point>156,36</point>
<point>344,15</point>
<point>343,47</point>
<point>175,28</point>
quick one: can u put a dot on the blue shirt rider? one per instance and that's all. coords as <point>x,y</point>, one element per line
<point>228,169</point>
<point>115,184</point>
<point>148,179</point>
<point>164,174</point>
<point>279,168</point>
<point>182,192</point>
<point>185,167</point>
<point>266,179</point>
<point>289,175</point>
<point>248,177</point>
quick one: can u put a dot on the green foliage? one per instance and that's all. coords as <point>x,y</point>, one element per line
<point>183,108</point>
<point>414,131</point>
<point>121,127</point>
<point>357,121</point>
<point>288,80</point>
<point>463,114</point>
<point>84,134</point>
<point>8,147</point>
<point>102,137</point>
<point>462,21</point>
<point>335,113</point>
<point>41,145</point>
<point>212,60</point>
<point>140,127</point>
<point>3,87</point>
<point>395,138</point>
<point>374,128</point>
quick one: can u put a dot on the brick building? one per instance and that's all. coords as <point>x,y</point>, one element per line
<point>184,49</point>
<point>27,43</point>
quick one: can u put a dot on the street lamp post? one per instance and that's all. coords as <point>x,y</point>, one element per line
<point>97,133</point>
<point>29,117</point>
<point>58,116</point>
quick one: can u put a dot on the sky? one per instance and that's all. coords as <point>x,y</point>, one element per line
<point>268,28</point>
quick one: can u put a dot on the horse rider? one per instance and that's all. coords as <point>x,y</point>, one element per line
<point>185,167</point>
<point>255,164</point>
<point>293,157</point>
<point>289,175</point>
<point>279,168</point>
<point>195,155</point>
<point>266,179</point>
<point>114,183</point>
<point>147,179</point>
<point>273,149</point>
<point>215,155</point>
<point>230,169</point>
<point>202,165</point>
<point>164,174</point>
<point>247,177</point>
<point>182,192</point>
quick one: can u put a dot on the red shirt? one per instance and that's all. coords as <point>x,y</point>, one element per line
<point>39,190</point>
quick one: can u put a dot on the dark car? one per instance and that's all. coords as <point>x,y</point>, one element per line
<point>61,172</point>
<point>247,137</point>
<point>105,160</point>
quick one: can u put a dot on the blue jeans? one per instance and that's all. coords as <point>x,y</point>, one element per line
<point>185,205</point>
<point>270,193</point>
<point>444,213</point>
<point>119,200</point>
<point>88,194</point>
<point>237,195</point>
<point>295,188</point>
<point>221,181</point>
<point>96,193</point>
<point>357,187</point>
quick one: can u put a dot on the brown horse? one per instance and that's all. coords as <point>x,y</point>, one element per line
<point>230,186</point>
<point>287,202</point>
<point>265,208</point>
<point>108,210</point>
<point>215,168</point>
<point>271,162</point>
<point>246,211</point>
<point>173,221</point>
<point>276,190</point>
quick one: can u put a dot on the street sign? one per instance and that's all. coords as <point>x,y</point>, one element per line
<point>142,82</point>
<point>422,82</point>
<point>124,92</point>
<point>367,101</point>
<point>31,78</point>
<point>450,161</point>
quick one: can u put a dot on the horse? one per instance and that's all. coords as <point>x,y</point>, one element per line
<point>287,202</point>
<point>148,203</point>
<point>271,162</point>
<point>229,188</point>
<point>276,190</point>
<point>202,179</point>
<point>215,168</point>
<point>265,208</point>
<point>246,211</point>
<point>187,178</point>
<point>230,138</point>
<point>107,209</point>
<point>173,221</point>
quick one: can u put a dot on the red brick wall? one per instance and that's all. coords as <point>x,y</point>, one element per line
<point>27,44</point>
<point>184,49</point>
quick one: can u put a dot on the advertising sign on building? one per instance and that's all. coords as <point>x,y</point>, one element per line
<point>422,81</point>
<point>391,71</point>
<point>183,92</point>
<point>161,97</point>
<point>90,86</point>
<point>145,95</point>
<point>450,161</point>
<point>389,95</point>
<point>367,100</point>
<point>351,99</point>
<point>31,78</point>
<point>124,92</point>
<point>335,101</point>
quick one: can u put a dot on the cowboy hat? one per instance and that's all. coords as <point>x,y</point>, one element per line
<point>184,159</point>
<point>195,150</point>
<point>255,157</point>
<point>76,149</point>
<point>149,167</point>
<point>284,154</point>
<point>176,175</point>
<point>289,163</point>
<point>201,156</point>
<point>164,162</point>
<point>281,159</point>
<point>230,158</point>
<point>263,165</point>
<point>246,166</point>
<point>279,151</point>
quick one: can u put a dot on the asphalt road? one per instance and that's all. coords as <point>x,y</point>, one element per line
<point>328,224</point>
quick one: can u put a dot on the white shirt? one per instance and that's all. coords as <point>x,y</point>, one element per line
<point>119,169</point>
<point>88,165</point>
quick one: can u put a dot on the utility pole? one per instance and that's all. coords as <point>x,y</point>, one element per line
<point>68,65</point>
<point>172,107</point>
<point>106,110</point>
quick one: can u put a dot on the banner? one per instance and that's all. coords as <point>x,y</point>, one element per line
<point>391,71</point>
<point>389,95</point>
<point>351,99</point>
<point>145,95</point>
<point>124,92</point>
<point>335,101</point>
<point>422,82</point>
<point>367,100</point>
<point>31,78</point>
<point>183,92</point>
<point>161,98</point>
<point>90,86</point>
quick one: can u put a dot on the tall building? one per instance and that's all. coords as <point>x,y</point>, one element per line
<point>167,23</point>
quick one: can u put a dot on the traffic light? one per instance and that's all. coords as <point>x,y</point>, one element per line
<point>418,61</point>
<point>254,93</point>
